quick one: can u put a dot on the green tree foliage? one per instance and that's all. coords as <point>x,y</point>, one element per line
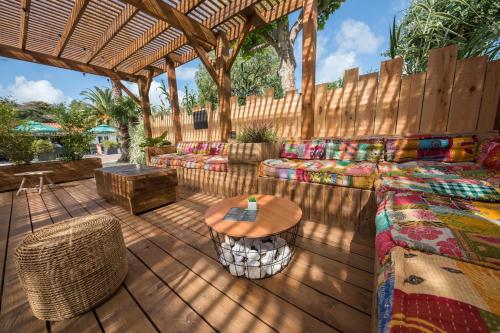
<point>427,24</point>
<point>38,111</point>
<point>75,121</point>
<point>250,75</point>
<point>137,143</point>
<point>14,145</point>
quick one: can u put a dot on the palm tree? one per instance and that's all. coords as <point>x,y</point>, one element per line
<point>121,110</point>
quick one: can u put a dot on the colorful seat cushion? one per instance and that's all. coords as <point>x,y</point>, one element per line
<point>419,292</point>
<point>331,172</point>
<point>463,229</point>
<point>470,189</point>
<point>371,150</point>
<point>167,160</point>
<point>437,148</point>
<point>216,163</point>
<point>305,150</point>
<point>489,153</point>
<point>442,170</point>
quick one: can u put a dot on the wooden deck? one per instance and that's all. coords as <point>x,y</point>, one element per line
<point>175,284</point>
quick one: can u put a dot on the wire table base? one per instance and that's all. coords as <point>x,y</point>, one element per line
<point>255,258</point>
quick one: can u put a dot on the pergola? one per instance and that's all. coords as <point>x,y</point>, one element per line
<point>136,40</point>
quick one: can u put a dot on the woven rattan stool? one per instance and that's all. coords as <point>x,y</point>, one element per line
<point>69,268</point>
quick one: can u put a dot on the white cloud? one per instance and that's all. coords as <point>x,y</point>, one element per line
<point>185,73</point>
<point>333,66</point>
<point>24,90</point>
<point>358,37</point>
<point>154,92</point>
<point>353,39</point>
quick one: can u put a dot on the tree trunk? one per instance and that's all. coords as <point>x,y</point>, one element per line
<point>284,48</point>
<point>122,128</point>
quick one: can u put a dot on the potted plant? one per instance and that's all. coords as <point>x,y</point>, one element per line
<point>43,150</point>
<point>255,143</point>
<point>110,147</point>
<point>252,203</point>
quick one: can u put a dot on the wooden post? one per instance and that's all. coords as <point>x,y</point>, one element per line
<point>144,85</point>
<point>224,85</point>
<point>174,98</point>
<point>310,24</point>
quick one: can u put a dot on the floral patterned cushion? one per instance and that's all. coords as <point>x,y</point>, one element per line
<point>332,172</point>
<point>426,147</point>
<point>462,229</point>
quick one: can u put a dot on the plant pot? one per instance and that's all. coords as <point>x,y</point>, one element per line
<point>109,151</point>
<point>252,205</point>
<point>43,157</point>
<point>252,153</point>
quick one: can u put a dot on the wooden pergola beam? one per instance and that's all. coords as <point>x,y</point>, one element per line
<point>177,19</point>
<point>185,6</point>
<point>74,17</point>
<point>114,28</point>
<point>239,42</point>
<point>223,85</point>
<point>45,59</point>
<point>284,8</point>
<point>234,8</point>
<point>23,27</point>
<point>127,91</point>
<point>310,27</point>
<point>174,98</point>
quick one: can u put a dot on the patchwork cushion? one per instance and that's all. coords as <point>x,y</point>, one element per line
<point>463,229</point>
<point>166,160</point>
<point>437,148</point>
<point>419,292</point>
<point>331,172</point>
<point>371,150</point>
<point>216,163</point>
<point>305,150</point>
<point>186,148</point>
<point>471,189</point>
<point>218,148</point>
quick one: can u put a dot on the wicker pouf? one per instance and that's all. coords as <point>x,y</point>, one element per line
<point>69,268</point>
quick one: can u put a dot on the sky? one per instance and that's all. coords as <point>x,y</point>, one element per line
<point>354,36</point>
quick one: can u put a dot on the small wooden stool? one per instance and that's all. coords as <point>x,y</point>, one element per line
<point>26,175</point>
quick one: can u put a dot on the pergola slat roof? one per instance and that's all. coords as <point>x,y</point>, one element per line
<point>124,39</point>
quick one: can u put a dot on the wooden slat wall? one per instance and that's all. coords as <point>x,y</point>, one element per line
<point>452,96</point>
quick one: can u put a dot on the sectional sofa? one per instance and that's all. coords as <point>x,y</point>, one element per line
<point>437,219</point>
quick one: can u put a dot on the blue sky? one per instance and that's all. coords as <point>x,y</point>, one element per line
<point>354,36</point>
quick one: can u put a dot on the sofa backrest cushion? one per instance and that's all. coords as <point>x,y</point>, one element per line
<point>435,148</point>
<point>218,149</point>
<point>489,153</point>
<point>186,147</point>
<point>202,148</point>
<point>304,150</point>
<point>371,150</point>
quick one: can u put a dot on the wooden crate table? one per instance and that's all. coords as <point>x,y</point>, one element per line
<point>137,189</point>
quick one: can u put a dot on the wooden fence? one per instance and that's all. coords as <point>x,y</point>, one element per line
<point>452,96</point>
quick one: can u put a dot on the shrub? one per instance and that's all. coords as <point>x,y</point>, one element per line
<point>75,145</point>
<point>137,142</point>
<point>17,147</point>
<point>159,141</point>
<point>108,144</point>
<point>257,132</point>
<point>41,146</point>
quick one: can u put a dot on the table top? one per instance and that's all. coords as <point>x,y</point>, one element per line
<point>132,171</point>
<point>34,173</point>
<point>275,215</point>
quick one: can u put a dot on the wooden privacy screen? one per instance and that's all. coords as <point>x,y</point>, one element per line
<point>452,96</point>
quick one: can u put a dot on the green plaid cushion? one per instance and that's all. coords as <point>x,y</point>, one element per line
<point>479,192</point>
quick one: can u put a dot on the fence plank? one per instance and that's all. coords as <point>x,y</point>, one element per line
<point>349,101</point>
<point>490,100</point>
<point>319,111</point>
<point>438,87</point>
<point>367,103</point>
<point>333,106</point>
<point>388,96</point>
<point>410,103</point>
<point>467,93</point>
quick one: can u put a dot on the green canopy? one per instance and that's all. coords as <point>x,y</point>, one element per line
<point>103,129</point>
<point>37,128</point>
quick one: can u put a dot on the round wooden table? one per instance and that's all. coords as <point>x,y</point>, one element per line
<point>255,249</point>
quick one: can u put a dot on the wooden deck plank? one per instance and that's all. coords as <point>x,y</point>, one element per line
<point>5,211</point>
<point>15,314</point>
<point>210,269</point>
<point>230,316</point>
